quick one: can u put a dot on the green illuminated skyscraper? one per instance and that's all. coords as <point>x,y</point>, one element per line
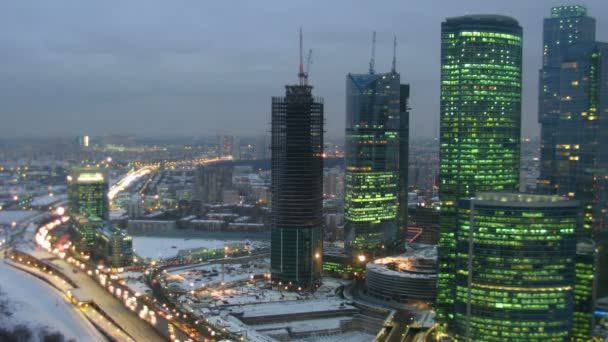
<point>88,192</point>
<point>377,131</point>
<point>480,123</point>
<point>515,274</point>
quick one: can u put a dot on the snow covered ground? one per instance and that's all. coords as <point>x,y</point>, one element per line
<point>351,336</point>
<point>33,303</point>
<point>163,247</point>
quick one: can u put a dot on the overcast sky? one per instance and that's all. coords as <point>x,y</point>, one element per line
<point>148,67</point>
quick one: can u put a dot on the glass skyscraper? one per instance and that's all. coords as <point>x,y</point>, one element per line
<point>480,123</point>
<point>515,274</point>
<point>377,131</point>
<point>573,113</point>
<point>297,188</point>
<point>88,192</point>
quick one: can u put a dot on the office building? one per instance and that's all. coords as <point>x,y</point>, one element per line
<point>574,130</point>
<point>376,158</point>
<point>297,187</point>
<point>480,123</point>
<point>88,192</point>
<point>514,269</point>
<point>571,112</point>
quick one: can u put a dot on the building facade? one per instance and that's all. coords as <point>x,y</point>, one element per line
<point>515,271</point>
<point>376,158</point>
<point>88,192</point>
<point>573,113</point>
<point>480,123</point>
<point>297,188</point>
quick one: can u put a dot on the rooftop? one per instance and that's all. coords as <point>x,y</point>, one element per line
<point>483,19</point>
<point>568,11</point>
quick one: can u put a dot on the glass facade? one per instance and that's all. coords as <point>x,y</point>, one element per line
<point>297,188</point>
<point>480,123</point>
<point>88,192</point>
<point>376,146</point>
<point>574,137</point>
<point>515,275</point>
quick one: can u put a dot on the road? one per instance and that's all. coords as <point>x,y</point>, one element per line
<point>128,321</point>
<point>93,315</point>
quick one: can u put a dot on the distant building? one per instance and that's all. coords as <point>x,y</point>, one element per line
<point>211,180</point>
<point>88,192</point>
<point>480,124</point>
<point>262,147</point>
<point>515,268</point>
<point>103,241</point>
<point>297,187</point>
<point>114,246</point>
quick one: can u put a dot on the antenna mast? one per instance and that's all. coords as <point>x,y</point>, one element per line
<point>301,74</point>
<point>394,68</point>
<point>373,59</point>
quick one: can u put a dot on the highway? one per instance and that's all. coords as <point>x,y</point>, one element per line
<point>138,329</point>
<point>91,313</point>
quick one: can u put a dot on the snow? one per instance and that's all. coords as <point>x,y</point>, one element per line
<point>351,336</point>
<point>47,200</point>
<point>310,325</point>
<point>293,307</point>
<point>161,247</point>
<point>38,305</point>
<point>9,216</point>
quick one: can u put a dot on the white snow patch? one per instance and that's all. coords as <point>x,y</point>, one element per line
<point>162,247</point>
<point>37,305</point>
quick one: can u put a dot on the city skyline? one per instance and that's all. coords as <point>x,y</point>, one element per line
<point>70,74</point>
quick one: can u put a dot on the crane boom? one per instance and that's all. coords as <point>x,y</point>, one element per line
<point>308,63</point>
<point>372,61</point>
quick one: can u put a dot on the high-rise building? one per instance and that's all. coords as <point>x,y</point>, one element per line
<point>515,274</point>
<point>573,113</point>
<point>297,187</point>
<point>88,192</point>
<point>480,123</point>
<point>376,158</point>
<point>211,180</point>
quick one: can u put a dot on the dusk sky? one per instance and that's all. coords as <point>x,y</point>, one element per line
<point>147,67</point>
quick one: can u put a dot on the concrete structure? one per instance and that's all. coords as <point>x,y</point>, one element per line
<point>297,187</point>
<point>410,278</point>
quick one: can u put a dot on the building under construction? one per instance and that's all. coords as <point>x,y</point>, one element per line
<point>297,186</point>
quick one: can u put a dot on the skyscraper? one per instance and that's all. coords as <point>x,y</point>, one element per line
<point>88,192</point>
<point>377,131</point>
<point>571,109</point>
<point>573,113</point>
<point>515,275</point>
<point>480,123</point>
<point>297,186</point>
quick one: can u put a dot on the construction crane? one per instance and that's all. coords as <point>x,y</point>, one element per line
<point>394,67</point>
<point>308,63</point>
<point>301,74</point>
<point>373,59</point>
